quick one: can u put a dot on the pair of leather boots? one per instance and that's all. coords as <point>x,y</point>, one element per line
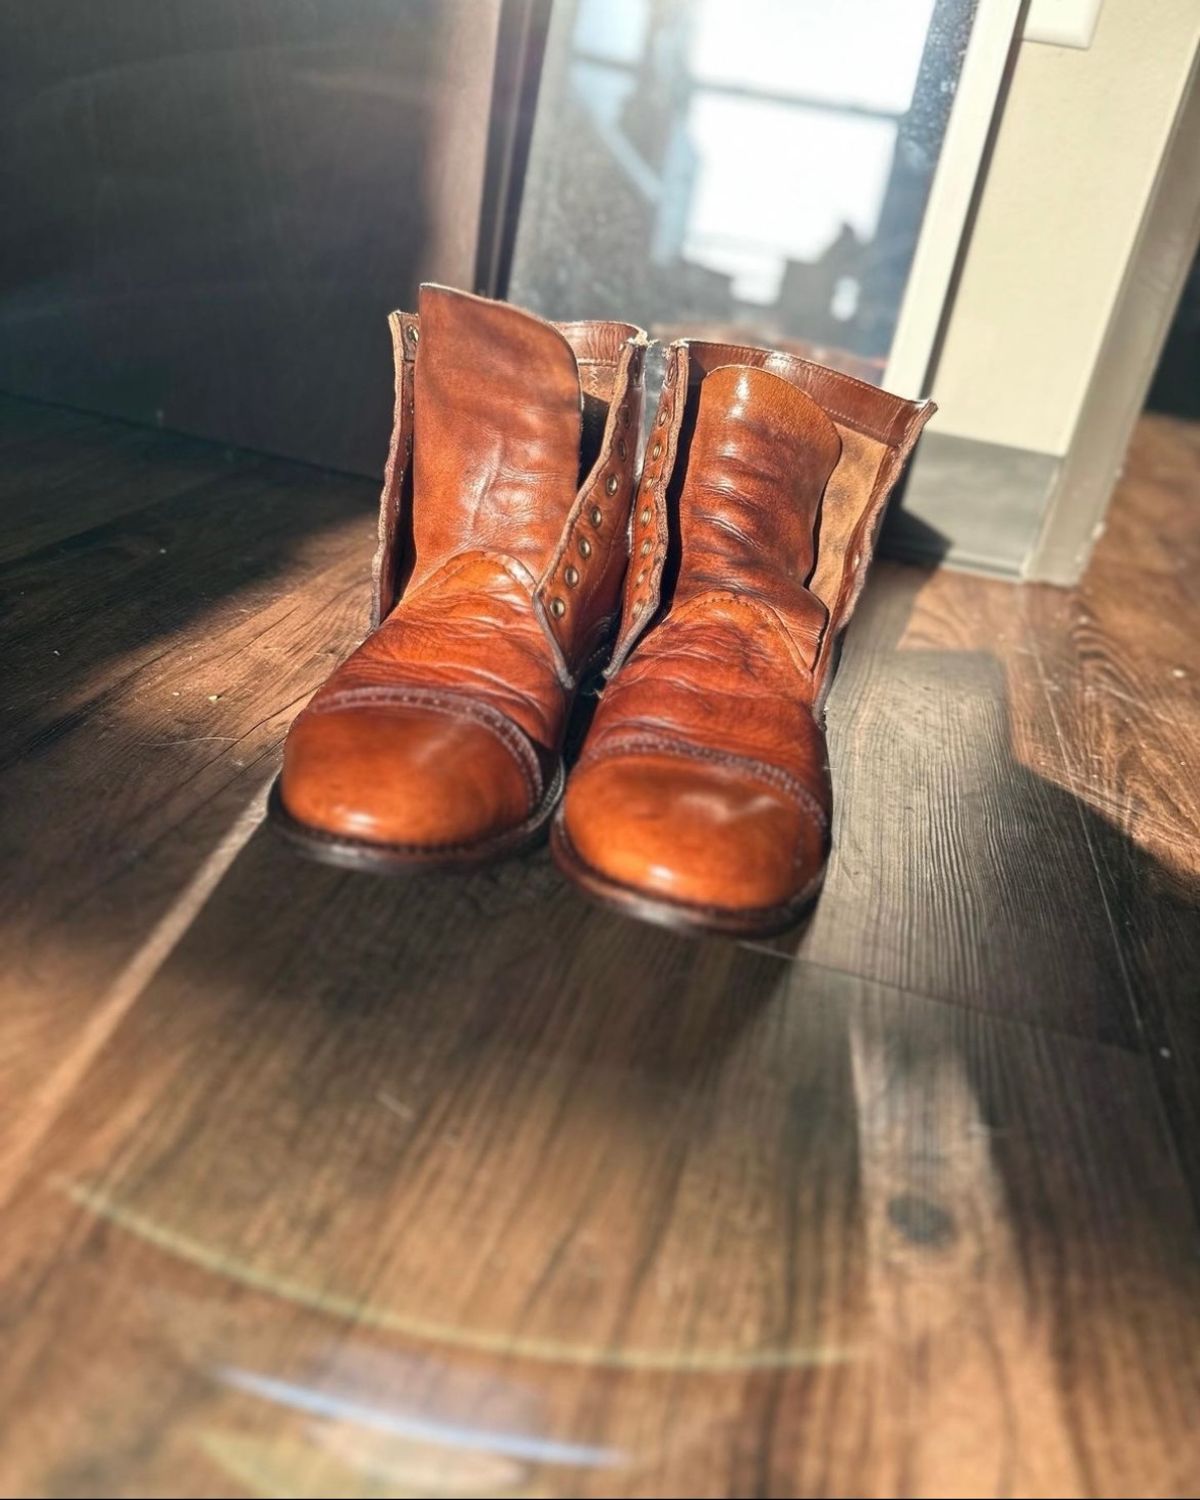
<point>520,554</point>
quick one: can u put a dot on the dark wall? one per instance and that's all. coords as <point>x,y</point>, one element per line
<point>208,207</point>
<point>1176,385</point>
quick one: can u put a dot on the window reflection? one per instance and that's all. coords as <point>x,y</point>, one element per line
<point>757,169</point>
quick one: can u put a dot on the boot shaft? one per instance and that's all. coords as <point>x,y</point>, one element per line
<point>744,502</point>
<point>517,438</point>
<point>767,476</point>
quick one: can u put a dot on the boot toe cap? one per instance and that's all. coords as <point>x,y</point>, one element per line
<point>405,776</point>
<point>694,833</point>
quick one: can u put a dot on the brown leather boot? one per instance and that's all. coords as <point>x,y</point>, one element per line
<point>504,539</point>
<point>702,798</point>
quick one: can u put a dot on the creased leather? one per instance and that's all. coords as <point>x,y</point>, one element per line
<point>761,455</point>
<point>469,627</point>
<point>704,780</point>
<point>469,679</point>
<point>877,432</point>
<point>498,418</point>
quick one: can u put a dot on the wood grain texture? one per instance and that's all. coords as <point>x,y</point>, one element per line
<point>56,486</point>
<point>1118,663</point>
<point>153,661</point>
<point>926,762</point>
<point>22,423</point>
<point>316,1184</point>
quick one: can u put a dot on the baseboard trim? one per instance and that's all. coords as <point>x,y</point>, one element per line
<point>971,505</point>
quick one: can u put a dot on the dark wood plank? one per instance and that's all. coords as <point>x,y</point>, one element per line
<point>66,481</point>
<point>1118,725</point>
<point>949,850</point>
<point>324,1185</point>
<point>23,423</point>
<point>475,1183</point>
<point>1016,827</point>
<point>153,664</point>
<point>88,614</point>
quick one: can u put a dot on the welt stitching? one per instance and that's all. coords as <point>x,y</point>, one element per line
<point>508,841</point>
<point>773,775</point>
<point>800,899</point>
<point>464,708</point>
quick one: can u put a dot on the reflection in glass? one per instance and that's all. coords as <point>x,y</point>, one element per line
<point>757,171</point>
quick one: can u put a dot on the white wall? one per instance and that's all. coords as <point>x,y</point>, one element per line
<point>1075,160</point>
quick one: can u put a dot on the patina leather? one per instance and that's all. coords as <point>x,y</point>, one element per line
<point>703,790</point>
<point>503,546</point>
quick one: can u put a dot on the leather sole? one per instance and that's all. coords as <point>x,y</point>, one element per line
<point>373,858</point>
<point>680,916</point>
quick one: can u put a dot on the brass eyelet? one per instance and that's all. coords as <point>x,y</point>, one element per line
<point>414,333</point>
<point>557,608</point>
<point>646,548</point>
<point>645,518</point>
<point>621,448</point>
<point>656,451</point>
<point>596,515</point>
<point>571,575</point>
<point>611,484</point>
<point>585,547</point>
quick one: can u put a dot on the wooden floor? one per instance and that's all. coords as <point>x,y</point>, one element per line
<point>319,1185</point>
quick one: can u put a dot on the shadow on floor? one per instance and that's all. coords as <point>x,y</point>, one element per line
<point>959,878</point>
<point>85,613</point>
<point>371,1156</point>
<point>525,1147</point>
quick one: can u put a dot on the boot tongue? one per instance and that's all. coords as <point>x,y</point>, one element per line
<point>498,426</point>
<point>760,456</point>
